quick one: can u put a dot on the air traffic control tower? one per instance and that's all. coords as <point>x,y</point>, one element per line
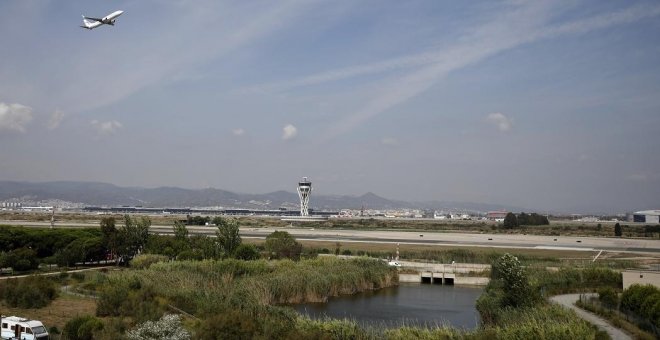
<point>304,191</point>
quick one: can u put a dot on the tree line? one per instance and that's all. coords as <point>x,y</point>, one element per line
<point>512,220</point>
<point>25,249</point>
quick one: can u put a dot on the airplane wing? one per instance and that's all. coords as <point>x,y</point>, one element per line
<point>95,19</point>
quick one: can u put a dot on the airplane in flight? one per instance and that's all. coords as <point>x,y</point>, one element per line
<point>91,23</point>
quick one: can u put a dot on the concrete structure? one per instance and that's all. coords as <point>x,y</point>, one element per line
<point>304,191</point>
<point>647,216</point>
<point>643,277</point>
<point>445,274</point>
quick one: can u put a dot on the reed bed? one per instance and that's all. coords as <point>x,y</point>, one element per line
<point>207,287</point>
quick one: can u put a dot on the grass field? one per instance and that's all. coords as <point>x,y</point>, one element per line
<point>61,310</point>
<point>556,227</point>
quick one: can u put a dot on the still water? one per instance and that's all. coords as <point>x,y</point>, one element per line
<point>409,304</point>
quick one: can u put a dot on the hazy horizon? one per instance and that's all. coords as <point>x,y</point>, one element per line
<point>550,105</point>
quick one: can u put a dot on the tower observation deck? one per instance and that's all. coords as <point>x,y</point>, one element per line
<point>304,191</point>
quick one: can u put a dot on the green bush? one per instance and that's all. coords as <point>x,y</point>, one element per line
<point>247,252</point>
<point>281,244</point>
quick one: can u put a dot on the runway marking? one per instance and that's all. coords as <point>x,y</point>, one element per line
<point>563,248</point>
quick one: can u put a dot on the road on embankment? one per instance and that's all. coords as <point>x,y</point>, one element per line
<point>520,241</point>
<point>568,301</point>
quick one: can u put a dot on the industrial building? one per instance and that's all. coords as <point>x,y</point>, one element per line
<point>647,216</point>
<point>641,277</point>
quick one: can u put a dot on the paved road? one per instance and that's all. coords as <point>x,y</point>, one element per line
<point>568,301</point>
<point>424,238</point>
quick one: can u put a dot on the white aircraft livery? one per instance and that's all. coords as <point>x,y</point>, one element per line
<point>91,23</point>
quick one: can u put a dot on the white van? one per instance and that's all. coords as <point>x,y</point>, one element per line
<point>26,329</point>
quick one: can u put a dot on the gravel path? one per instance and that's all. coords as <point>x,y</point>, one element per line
<point>568,301</point>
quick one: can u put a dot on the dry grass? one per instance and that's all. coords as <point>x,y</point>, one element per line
<point>57,313</point>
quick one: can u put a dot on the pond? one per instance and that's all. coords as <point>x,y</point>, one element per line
<point>411,304</point>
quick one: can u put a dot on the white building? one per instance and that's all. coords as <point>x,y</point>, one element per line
<point>647,216</point>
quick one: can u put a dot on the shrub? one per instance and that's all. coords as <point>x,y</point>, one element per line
<point>82,328</point>
<point>30,292</point>
<point>608,297</point>
<point>193,254</point>
<point>144,261</point>
<point>247,252</point>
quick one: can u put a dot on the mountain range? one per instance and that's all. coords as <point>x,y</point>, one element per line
<point>104,194</point>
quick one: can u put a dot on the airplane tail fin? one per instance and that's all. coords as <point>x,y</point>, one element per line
<point>86,23</point>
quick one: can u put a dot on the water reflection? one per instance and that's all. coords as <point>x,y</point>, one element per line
<point>409,304</point>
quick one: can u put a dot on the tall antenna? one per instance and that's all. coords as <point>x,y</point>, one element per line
<point>304,191</point>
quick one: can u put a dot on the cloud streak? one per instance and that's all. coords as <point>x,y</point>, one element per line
<point>523,25</point>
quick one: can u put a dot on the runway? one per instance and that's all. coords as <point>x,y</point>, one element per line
<point>521,241</point>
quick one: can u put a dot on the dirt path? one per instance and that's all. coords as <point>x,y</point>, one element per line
<point>568,301</point>
<point>55,273</point>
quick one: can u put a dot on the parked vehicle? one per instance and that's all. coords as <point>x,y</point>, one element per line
<point>14,327</point>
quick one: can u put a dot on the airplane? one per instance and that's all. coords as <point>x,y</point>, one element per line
<point>91,23</point>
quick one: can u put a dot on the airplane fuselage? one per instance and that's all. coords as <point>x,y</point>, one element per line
<point>110,19</point>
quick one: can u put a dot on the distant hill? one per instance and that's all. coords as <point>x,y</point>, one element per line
<point>104,194</point>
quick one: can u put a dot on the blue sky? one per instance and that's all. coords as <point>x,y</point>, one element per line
<point>548,105</point>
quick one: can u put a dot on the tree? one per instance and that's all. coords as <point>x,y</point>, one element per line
<point>133,236</point>
<point>182,242</point>
<point>510,221</point>
<point>517,290</point>
<point>281,244</point>
<point>180,230</point>
<point>109,234</point>
<point>20,259</point>
<point>228,236</point>
<point>618,231</point>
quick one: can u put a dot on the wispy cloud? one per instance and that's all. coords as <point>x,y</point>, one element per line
<point>389,141</point>
<point>14,116</point>
<point>289,132</point>
<point>524,24</point>
<point>238,132</point>
<point>499,120</point>
<point>643,176</point>
<point>55,119</point>
<point>106,128</point>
